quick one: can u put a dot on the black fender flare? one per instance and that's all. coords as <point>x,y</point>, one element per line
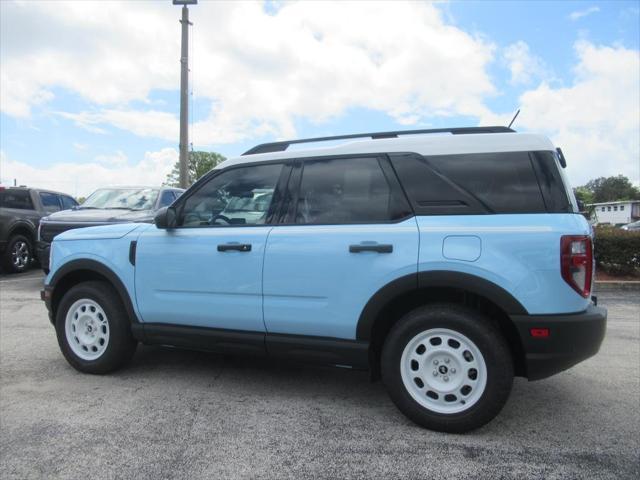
<point>101,269</point>
<point>435,279</point>
<point>27,225</point>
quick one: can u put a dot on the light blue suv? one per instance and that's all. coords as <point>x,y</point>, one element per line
<point>444,261</point>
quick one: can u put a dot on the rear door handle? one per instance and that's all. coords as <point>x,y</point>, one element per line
<point>375,247</point>
<point>238,247</point>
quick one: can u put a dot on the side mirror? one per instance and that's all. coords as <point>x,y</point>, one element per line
<point>165,218</point>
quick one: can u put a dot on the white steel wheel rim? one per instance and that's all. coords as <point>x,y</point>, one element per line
<point>87,329</point>
<point>443,371</point>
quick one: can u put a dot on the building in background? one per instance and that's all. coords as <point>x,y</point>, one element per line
<point>616,213</point>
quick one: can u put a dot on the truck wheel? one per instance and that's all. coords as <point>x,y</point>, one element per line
<point>447,368</point>
<point>93,328</point>
<point>18,255</point>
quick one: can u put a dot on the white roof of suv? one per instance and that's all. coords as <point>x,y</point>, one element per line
<point>424,144</point>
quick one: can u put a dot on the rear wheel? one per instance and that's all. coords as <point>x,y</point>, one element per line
<point>18,254</point>
<point>93,328</point>
<point>447,368</point>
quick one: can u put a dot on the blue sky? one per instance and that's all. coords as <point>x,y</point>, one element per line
<point>90,92</point>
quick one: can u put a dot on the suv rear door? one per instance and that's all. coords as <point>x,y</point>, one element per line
<point>207,272</point>
<point>348,232</point>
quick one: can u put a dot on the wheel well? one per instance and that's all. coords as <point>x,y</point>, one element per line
<point>72,279</point>
<point>24,231</point>
<point>396,308</point>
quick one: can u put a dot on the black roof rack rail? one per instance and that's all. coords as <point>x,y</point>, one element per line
<point>283,145</point>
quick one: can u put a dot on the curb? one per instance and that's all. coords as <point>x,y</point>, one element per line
<point>608,285</point>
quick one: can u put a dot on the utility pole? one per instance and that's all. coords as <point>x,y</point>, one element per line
<point>184,94</point>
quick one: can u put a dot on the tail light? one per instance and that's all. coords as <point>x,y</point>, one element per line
<point>576,262</point>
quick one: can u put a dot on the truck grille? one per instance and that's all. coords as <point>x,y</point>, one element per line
<point>48,230</point>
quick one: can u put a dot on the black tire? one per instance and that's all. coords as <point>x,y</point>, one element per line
<point>487,339</point>
<point>120,346</point>
<point>8,258</point>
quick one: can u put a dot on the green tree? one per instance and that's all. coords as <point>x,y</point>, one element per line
<point>610,189</point>
<point>584,195</point>
<point>199,164</point>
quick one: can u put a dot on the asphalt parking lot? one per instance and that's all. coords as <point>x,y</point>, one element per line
<point>177,414</point>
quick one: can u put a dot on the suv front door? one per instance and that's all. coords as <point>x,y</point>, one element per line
<point>350,232</point>
<point>207,272</point>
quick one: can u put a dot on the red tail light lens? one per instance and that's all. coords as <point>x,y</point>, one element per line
<point>576,262</point>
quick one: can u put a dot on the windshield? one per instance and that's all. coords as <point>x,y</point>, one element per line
<point>122,198</point>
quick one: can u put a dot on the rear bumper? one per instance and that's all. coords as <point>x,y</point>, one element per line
<point>572,339</point>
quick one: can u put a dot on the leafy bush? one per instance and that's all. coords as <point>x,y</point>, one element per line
<point>617,251</point>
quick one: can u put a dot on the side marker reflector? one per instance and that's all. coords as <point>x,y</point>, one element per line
<point>539,332</point>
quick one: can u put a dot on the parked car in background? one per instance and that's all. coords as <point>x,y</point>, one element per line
<point>21,209</point>
<point>632,227</point>
<point>102,207</point>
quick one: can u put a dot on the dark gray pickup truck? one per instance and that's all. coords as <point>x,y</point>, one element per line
<point>21,209</point>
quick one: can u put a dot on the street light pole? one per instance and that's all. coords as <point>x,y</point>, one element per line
<point>184,88</point>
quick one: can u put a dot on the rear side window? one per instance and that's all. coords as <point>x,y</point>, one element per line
<point>471,183</point>
<point>347,190</point>
<point>18,199</point>
<point>50,202</point>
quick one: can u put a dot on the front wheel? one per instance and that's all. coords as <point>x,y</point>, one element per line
<point>93,328</point>
<point>447,368</point>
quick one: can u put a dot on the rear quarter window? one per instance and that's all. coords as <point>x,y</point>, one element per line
<point>465,184</point>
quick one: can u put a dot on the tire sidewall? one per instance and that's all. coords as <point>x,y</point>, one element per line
<point>121,344</point>
<point>476,328</point>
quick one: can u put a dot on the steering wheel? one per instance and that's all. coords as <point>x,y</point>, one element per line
<point>227,220</point>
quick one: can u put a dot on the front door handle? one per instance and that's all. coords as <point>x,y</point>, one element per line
<point>374,247</point>
<point>238,247</point>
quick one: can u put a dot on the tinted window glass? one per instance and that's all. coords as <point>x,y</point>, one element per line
<point>473,183</point>
<point>339,191</point>
<point>50,202</point>
<point>68,202</point>
<point>19,199</point>
<point>430,192</point>
<point>167,198</point>
<point>241,196</point>
<point>551,184</point>
<point>503,182</point>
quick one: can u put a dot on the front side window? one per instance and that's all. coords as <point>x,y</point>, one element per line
<point>348,190</point>
<point>50,202</point>
<point>68,202</point>
<point>167,198</point>
<point>122,199</point>
<point>241,196</point>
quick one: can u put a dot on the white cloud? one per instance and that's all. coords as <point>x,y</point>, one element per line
<point>523,65</point>
<point>81,147</point>
<point>578,14</point>
<point>80,179</point>
<point>149,123</point>
<point>260,71</point>
<point>596,120</point>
